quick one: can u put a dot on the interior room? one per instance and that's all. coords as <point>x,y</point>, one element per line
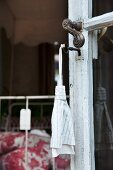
<point>30,36</point>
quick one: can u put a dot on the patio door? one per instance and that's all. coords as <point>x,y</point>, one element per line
<point>81,81</point>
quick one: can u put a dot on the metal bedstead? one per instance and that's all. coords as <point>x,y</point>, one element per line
<point>10,122</point>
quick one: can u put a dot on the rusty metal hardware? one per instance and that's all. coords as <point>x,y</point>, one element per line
<point>67,49</point>
<point>74,28</point>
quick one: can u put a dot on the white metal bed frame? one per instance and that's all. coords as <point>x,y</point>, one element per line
<point>27,98</point>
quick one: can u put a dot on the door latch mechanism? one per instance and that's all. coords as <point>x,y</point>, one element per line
<point>74,28</point>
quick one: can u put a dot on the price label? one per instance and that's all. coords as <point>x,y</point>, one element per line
<point>25,119</point>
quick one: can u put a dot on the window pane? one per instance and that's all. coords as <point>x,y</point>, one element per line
<point>103,93</point>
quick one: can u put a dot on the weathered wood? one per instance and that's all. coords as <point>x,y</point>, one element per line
<point>94,46</point>
<point>81,93</point>
<point>99,22</point>
<point>81,81</point>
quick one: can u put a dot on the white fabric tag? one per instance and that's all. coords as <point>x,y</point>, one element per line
<point>25,119</point>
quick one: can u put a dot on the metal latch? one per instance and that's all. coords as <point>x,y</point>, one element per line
<point>75,28</point>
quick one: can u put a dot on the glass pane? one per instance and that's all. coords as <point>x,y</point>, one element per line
<point>103,93</point>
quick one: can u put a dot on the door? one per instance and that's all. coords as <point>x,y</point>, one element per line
<point>81,82</point>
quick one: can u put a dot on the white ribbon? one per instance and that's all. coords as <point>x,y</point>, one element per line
<point>60,82</point>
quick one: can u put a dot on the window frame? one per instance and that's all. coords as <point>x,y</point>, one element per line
<point>81,81</point>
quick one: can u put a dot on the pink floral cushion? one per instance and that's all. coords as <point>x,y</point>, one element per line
<point>12,151</point>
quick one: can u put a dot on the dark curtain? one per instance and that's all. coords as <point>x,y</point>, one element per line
<point>6,61</point>
<point>46,69</point>
<point>32,72</point>
<point>47,84</point>
<point>25,70</point>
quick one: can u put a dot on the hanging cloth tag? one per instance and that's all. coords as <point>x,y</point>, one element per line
<point>62,139</point>
<point>25,119</point>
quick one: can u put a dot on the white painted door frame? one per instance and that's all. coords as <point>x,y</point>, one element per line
<point>81,82</point>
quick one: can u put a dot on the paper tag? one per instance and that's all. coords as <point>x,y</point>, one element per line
<point>25,119</point>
